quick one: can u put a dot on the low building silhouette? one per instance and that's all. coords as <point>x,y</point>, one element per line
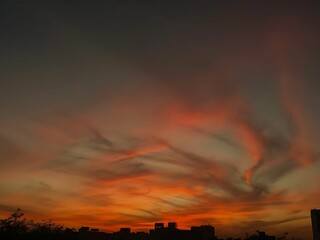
<point>123,234</point>
<point>126,234</point>
<point>264,236</point>
<point>85,233</point>
<point>205,232</point>
<point>260,236</point>
<point>171,232</point>
<point>141,236</point>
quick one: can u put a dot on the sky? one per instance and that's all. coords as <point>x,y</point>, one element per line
<point>125,113</point>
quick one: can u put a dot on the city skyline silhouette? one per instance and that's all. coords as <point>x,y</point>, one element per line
<point>16,227</point>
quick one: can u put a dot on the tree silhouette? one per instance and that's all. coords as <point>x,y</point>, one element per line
<point>15,227</point>
<point>14,224</point>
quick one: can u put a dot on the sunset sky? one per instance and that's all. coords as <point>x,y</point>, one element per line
<point>125,113</point>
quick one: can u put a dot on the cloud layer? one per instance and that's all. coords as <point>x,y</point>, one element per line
<point>201,121</point>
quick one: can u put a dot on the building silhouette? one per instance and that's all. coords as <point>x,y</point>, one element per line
<point>315,220</point>
<point>160,232</point>
<point>126,234</point>
<point>264,236</point>
<point>85,233</point>
<point>123,234</point>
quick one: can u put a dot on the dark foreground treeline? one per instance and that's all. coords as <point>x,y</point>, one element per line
<point>16,227</point>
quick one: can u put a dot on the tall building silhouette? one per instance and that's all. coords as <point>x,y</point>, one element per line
<point>159,225</point>
<point>172,225</point>
<point>315,219</point>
